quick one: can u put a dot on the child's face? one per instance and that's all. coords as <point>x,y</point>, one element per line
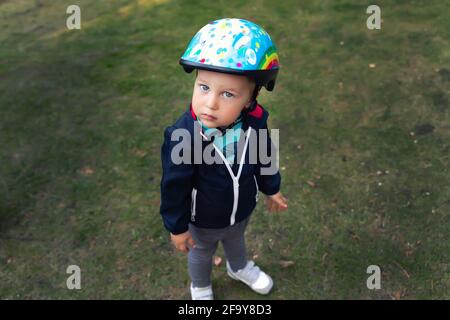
<point>219,98</point>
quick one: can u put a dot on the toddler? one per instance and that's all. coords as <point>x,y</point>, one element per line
<point>207,202</point>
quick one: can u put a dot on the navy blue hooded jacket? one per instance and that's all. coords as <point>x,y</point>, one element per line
<point>205,194</point>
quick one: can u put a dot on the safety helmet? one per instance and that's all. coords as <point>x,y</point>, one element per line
<point>234,46</point>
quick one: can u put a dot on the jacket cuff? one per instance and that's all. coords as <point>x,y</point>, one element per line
<point>177,230</point>
<point>271,192</point>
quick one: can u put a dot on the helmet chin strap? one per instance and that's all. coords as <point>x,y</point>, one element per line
<point>254,103</point>
<point>251,106</point>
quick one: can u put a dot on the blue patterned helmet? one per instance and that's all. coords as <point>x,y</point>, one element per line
<point>234,46</point>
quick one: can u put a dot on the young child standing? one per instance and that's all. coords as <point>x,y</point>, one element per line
<point>204,203</point>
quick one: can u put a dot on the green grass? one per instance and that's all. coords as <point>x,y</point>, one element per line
<point>364,151</point>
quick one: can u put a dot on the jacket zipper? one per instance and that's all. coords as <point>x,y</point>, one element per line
<point>193,204</point>
<point>235,178</point>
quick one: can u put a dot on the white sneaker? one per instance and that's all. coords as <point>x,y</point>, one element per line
<point>205,293</point>
<point>252,276</point>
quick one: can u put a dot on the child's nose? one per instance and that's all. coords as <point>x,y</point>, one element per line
<point>211,103</point>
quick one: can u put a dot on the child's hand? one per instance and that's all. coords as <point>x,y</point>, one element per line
<point>276,202</point>
<point>182,241</point>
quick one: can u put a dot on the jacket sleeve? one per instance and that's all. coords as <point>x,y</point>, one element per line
<point>176,188</point>
<point>268,184</point>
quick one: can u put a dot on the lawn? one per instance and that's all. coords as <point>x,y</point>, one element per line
<point>364,121</point>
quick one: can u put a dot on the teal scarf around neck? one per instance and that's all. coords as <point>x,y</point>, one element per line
<point>225,139</point>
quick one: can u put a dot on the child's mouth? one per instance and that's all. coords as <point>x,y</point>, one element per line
<point>208,117</point>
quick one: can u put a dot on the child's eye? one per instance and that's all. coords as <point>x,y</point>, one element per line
<point>204,88</point>
<point>228,94</point>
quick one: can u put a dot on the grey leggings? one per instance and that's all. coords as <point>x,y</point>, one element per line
<point>206,241</point>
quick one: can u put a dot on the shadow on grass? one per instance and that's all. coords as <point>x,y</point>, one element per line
<point>54,112</point>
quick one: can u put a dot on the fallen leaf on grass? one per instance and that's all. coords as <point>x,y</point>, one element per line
<point>353,235</point>
<point>286,264</point>
<point>324,257</point>
<point>86,171</point>
<point>140,153</point>
<point>334,203</point>
<point>397,295</point>
<point>409,252</point>
<point>311,183</point>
